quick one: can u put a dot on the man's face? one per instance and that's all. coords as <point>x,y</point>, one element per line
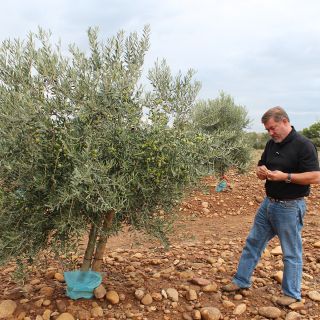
<point>277,130</point>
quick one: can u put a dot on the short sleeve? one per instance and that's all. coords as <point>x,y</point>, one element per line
<point>308,157</point>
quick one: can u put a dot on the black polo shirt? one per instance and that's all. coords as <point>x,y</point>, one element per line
<point>295,154</point>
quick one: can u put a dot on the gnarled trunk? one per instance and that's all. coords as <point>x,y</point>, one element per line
<point>101,245</point>
<point>87,259</point>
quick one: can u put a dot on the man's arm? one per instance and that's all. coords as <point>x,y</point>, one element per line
<point>304,178</point>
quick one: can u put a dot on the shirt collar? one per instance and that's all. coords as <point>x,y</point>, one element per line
<point>289,137</point>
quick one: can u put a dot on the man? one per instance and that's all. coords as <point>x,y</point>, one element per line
<point>289,164</point>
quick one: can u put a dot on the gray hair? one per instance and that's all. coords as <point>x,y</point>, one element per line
<point>277,113</point>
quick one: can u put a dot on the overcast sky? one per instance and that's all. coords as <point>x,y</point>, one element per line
<point>263,53</point>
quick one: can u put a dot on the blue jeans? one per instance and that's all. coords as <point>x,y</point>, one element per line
<point>284,219</point>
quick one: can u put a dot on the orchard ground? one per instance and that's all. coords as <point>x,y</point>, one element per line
<point>206,243</point>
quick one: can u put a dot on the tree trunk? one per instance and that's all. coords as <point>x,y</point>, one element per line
<point>101,245</point>
<point>86,264</point>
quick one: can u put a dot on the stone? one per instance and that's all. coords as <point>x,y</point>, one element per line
<point>317,244</point>
<point>97,312</point>
<point>46,291</point>
<point>210,313</point>
<point>65,316</point>
<point>269,312</point>
<point>297,306</point>
<point>278,276</point>
<point>211,260</point>
<point>100,292</point>
<point>112,297</point>
<point>205,204</point>
<point>83,314</point>
<point>196,315</point>
<point>293,316</point>
<point>186,275</point>
<point>200,282</point>
<point>191,295</point>
<point>228,304</point>
<point>46,314</point>
<point>186,316</point>
<point>15,294</point>
<point>38,303</point>
<point>61,306</point>
<point>212,287</point>
<point>46,302</point>
<point>314,295</point>
<point>173,294</point>
<point>139,294</point>
<point>22,315</point>
<point>277,251</point>
<point>7,308</point>
<point>156,296</point>
<point>59,277</point>
<point>241,308</point>
<point>147,299</point>
<point>34,282</point>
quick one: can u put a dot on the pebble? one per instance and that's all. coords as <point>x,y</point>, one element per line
<point>147,299</point>
<point>139,294</point>
<point>97,312</point>
<point>241,308</point>
<point>46,314</point>
<point>228,304</point>
<point>7,308</point>
<point>200,282</point>
<point>173,294</point>
<point>59,277</point>
<point>191,295</point>
<point>293,316</point>
<point>100,292</point>
<point>317,244</point>
<point>212,287</point>
<point>46,291</point>
<point>210,313</point>
<point>314,295</point>
<point>279,276</point>
<point>297,306</point>
<point>61,306</point>
<point>276,251</point>
<point>66,316</point>
<point>112,297</point>
<point>269,312</point>
<point>196,315</point>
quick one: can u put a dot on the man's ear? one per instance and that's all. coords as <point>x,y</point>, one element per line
<point>285,120</point>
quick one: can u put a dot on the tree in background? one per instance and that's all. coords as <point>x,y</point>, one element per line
<point>257,140</point>
<point>313,133</point>
<point>84,148</point>
<point>223,122</point>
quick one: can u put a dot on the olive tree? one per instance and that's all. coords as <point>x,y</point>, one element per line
<point>84,148</point>
<point>313,133</point>
<point>224,123</point>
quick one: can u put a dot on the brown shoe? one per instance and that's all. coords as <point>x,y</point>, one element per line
<point>285,301</point>
<point>231,287</point>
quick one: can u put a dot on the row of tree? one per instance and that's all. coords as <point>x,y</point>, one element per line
<point>258,140</point>
<point>85,148</point>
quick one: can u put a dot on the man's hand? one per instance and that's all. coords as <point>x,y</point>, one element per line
<point>262,172</point>
<point>276,175</point>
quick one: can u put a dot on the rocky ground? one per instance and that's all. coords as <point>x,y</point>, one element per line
<point>141,280</point>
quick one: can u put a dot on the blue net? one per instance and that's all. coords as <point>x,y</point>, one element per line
<point>80,284</point>
<point>222,185</point>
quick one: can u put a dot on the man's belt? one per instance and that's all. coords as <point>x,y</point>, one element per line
<point>284,200</point>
